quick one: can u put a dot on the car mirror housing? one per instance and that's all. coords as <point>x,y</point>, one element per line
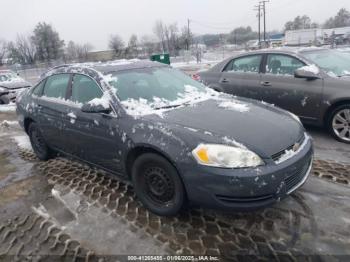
<point>302,73</point>
<point>93,108</point>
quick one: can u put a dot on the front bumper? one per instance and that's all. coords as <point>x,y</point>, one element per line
<point>250,188</point>
<point>11,95</point>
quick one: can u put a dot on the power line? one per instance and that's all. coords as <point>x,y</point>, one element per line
<point>263,3</point>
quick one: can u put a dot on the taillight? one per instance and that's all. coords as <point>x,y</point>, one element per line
<point>196,77</point>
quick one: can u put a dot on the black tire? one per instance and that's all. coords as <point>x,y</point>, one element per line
<point>1,102</point>
<point>158,185</point>
<point>332,120</point>
<point>39,145</point>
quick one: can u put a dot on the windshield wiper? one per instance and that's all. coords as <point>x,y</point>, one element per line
<point>166,107</point>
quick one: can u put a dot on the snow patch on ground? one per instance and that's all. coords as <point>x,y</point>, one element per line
<point>7,123</point>
<point>234,105</point>
<point>8,108</point>
<point>23,142</point>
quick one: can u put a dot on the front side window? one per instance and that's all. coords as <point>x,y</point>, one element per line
<point>282,64</point>
<point>56,86</point>
<point>39,88</point>
<point>249,64</point>
<point>84,89</point>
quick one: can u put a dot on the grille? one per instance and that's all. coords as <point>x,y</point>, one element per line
<point>278,155</point>
<point>298,175</point>
<point>229,199</point>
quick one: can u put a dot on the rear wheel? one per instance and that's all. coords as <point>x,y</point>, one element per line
<point>339,123</point>
<point>39,145</point>
<point>158,185</point>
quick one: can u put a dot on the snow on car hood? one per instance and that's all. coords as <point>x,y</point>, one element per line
<point>14,84</point>
<point>258,126</point>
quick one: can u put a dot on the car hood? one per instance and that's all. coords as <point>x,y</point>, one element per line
<point>15,84</point>
<point>260,127</point>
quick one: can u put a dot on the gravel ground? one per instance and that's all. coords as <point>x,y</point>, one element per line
<point>61,209</point>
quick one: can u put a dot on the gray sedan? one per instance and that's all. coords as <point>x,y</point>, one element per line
<point>313,83</point>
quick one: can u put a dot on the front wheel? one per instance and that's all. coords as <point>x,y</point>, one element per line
<point>39,145</point>
<point>158,185</point>
<point>339,123</point>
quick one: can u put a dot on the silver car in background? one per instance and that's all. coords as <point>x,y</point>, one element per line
<point>11,85</point>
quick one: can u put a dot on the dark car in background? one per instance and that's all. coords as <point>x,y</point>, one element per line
<point>313,83</point>
<point>11,85</point>
<point>176,140</point>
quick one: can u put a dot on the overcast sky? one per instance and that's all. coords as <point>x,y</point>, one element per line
<point>95,20</point>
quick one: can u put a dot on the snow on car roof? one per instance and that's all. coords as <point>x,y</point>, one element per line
<point>112,66</point>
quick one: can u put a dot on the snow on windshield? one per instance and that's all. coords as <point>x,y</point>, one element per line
<point>9,78</point>
<point>159,106</point>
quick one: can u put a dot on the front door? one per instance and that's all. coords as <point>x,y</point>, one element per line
<point>93,136</point>
<point>281,88</point>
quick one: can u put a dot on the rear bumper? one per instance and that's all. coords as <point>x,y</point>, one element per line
<point>247,189</point>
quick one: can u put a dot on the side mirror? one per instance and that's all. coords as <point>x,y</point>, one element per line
<point>310,72</point>
<point>95,108</point>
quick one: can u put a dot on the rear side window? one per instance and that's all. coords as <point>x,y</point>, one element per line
<point>38,90</point>
<point>84,89</point>
<point>249,64</point>
<point>56,86</point>
<point>282,64</point>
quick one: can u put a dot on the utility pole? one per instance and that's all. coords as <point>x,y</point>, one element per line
<point>188,34</point>
<point>258,8</point>
<point>264,11</point>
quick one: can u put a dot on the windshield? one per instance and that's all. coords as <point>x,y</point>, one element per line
<point>333,62</point>
<point>8,77</point>
<point>156,87</point>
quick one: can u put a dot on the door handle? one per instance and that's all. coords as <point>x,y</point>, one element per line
<point>225,80</point>
<point>265,83</point>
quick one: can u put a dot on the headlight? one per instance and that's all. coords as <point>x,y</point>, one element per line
<point>295,117</point>
<point>2,89</point>
<point>226,156</point>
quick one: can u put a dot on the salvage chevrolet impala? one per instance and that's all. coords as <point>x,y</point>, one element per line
<point>176,140</point>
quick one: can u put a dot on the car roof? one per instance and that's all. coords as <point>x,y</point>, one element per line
<point>285,50</point>
<point>108,67</point>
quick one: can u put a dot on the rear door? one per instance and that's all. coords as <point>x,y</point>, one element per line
<point>93,137</point>
<point>242,76</point>
<point>280,87</point>
<point>52,107</point>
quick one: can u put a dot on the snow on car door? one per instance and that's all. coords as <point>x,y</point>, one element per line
<point>281,88</point>
<point>95,135</point>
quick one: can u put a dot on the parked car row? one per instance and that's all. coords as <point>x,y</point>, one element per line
<point>177,141</point>
<point>313,83</point>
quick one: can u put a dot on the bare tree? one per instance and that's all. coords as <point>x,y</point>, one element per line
<point>159,31</point>
<point>116,43</point>
<point>77,51</point>
<point>3,49</point>
<point>23,50</point>
<point>148,44</point>
<point>133,45</point>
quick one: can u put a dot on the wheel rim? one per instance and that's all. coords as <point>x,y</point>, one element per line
<point>38,142</point>
<point>341,124</point>
<point>159,186</point>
